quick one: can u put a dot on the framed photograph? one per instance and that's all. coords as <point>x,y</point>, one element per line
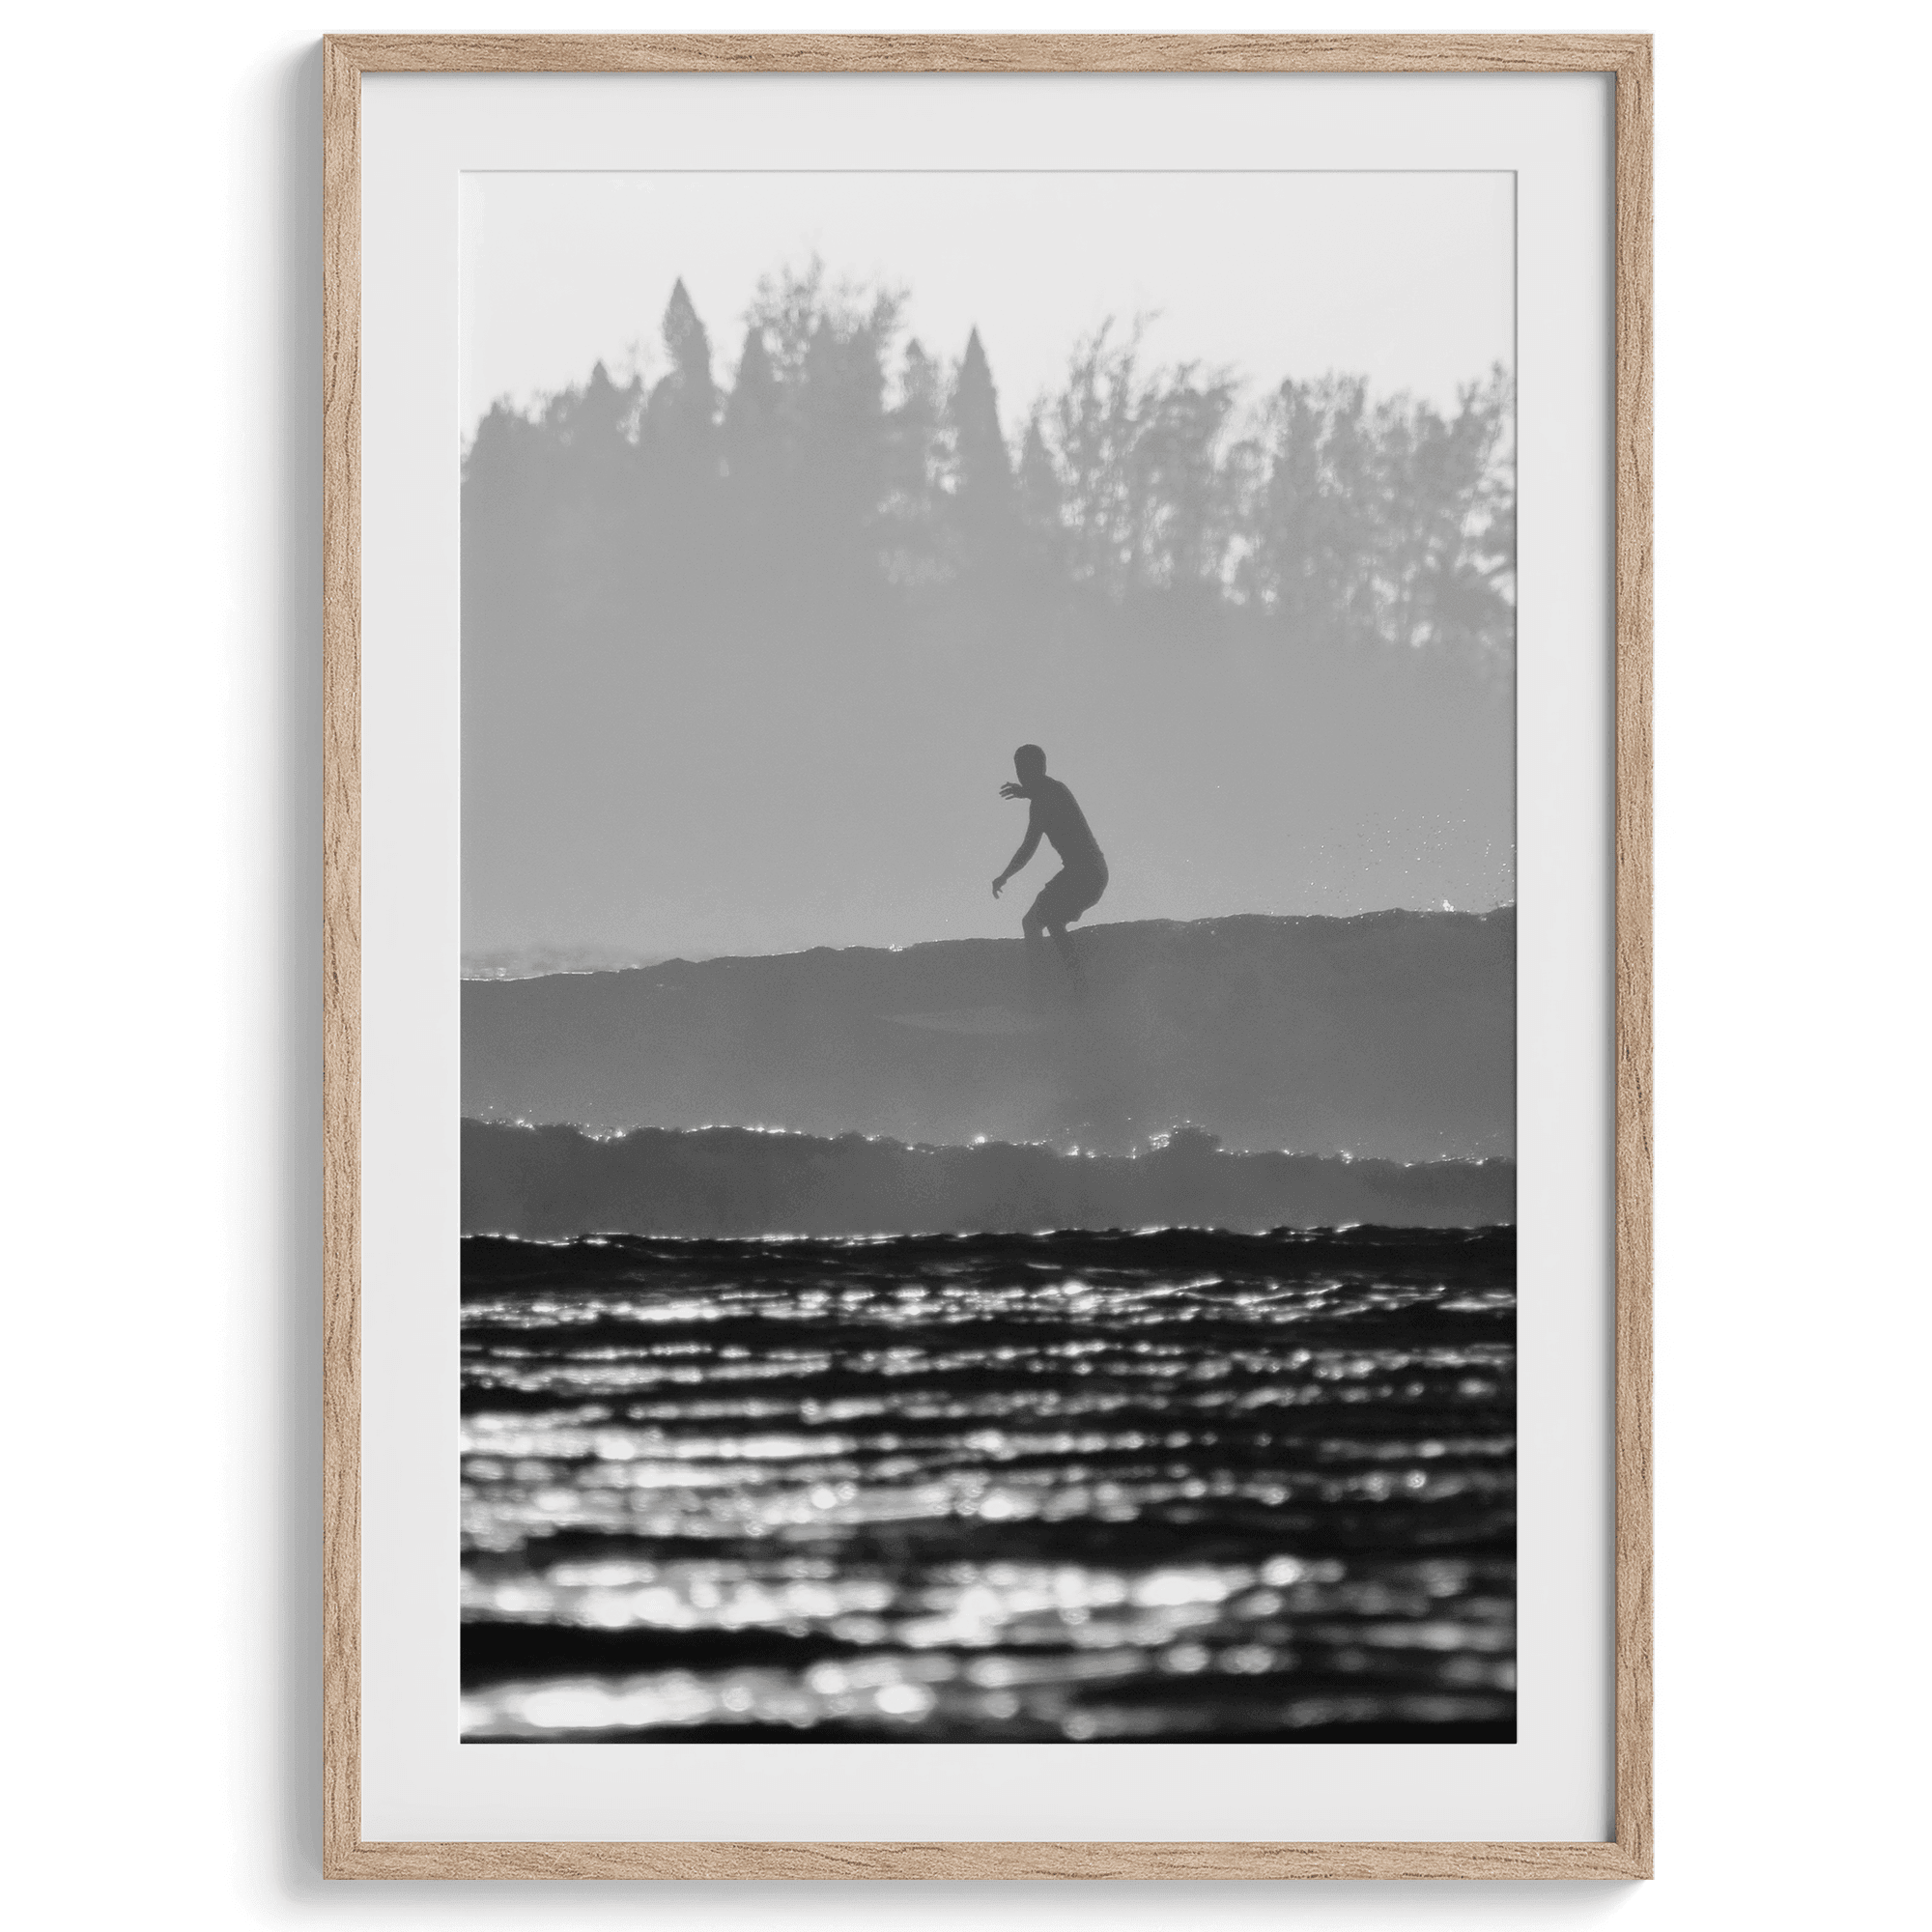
<point>987,1166</point>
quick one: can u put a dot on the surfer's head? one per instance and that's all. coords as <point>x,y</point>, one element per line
<point>1030,762</point>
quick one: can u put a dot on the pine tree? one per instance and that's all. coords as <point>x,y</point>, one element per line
<point>755,445</point>
<point>982,471</point>
<point>593,468</point>
<point>843,442</point>
<point>917,422</point>
<point>682,421</point>
<point>984,513</point>
<point>753,432</point>
<point>1042,501</point>
<point>597,426</point>
<point>910,551</point>
<point>690,350</point>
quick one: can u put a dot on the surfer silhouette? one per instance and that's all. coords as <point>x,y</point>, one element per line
<point>1076,888</point>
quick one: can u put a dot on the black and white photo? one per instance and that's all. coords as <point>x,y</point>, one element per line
<point>989,958</point>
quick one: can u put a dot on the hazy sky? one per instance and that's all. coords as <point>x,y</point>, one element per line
<point>1407,278</point>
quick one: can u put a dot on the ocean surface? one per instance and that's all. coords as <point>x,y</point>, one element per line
<point>1052,1488</point>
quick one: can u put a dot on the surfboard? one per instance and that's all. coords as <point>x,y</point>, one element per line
<point>992,1022</point>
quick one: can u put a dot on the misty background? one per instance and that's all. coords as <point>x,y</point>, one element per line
<point>756,607</point>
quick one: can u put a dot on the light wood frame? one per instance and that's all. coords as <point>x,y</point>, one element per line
<point>346,59</point>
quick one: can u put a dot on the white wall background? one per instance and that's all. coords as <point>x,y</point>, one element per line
<point>161,769</point>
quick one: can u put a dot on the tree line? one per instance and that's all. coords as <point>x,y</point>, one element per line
<point>845,463</point>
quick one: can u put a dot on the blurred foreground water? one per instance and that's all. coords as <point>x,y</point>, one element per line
<point>1048,1488</point>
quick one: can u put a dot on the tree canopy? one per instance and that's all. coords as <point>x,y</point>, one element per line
<point>844,460</point>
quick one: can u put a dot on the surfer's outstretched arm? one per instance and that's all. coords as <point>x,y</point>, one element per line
<point>1028,845</point>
